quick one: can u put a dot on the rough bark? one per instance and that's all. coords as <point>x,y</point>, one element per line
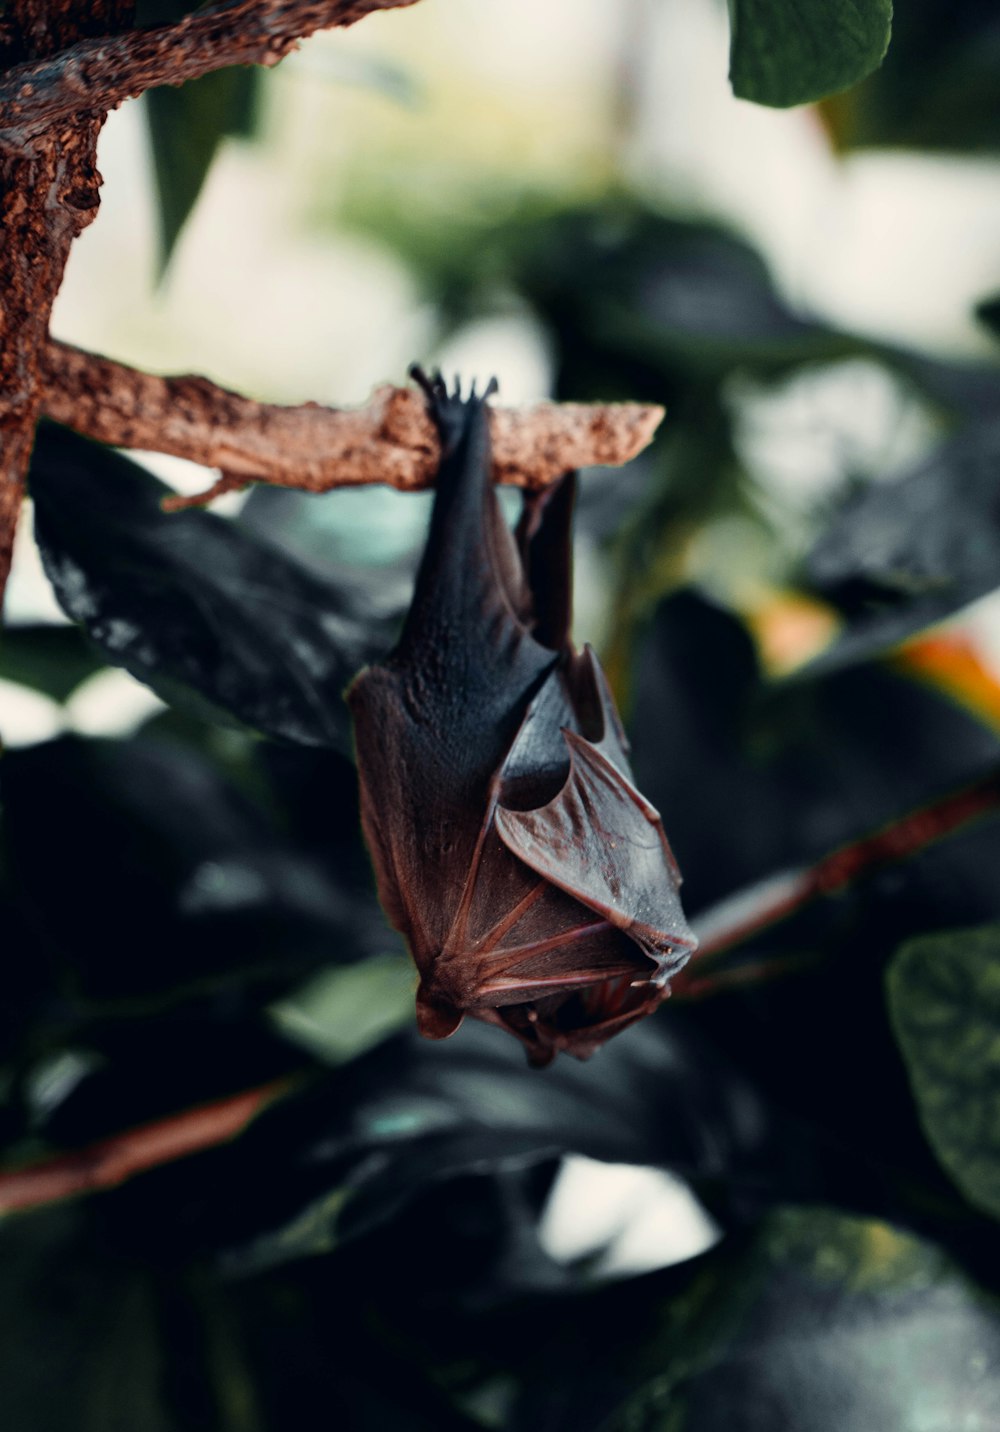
<point>66,64</point>
<point>48,194</point>
<point>391,440</point>
<point>93,76</point>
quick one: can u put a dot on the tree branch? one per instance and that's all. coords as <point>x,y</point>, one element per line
<point>739,917</point>
<point>391,440</point>
<point>95,75</point>
<point>48,194</point>
<point>113,1160</point>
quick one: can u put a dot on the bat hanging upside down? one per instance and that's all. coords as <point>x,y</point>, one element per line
<point>533,883</point>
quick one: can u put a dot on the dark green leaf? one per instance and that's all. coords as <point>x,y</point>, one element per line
<point>159,875</point>
<point>822,1323</point>
<point>988,313</point>
<point>904,554</point>
<point>191,604</point>
<point>404,1120</point>
<point>944,997</point>
<point>52,659</point>
<point>937,88</point>
<point>343,1012</point>
<point>81,1346</point>
<point>637,298</point>
<point>186,125</point>
<point>786,53</point>
<point>798,768</point>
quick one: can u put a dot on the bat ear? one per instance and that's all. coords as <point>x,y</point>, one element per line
<point>600,722</point>
<point>436,1021</point>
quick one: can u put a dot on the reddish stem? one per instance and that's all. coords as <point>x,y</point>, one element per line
<point>735,919</point>
<point>113,1160</point>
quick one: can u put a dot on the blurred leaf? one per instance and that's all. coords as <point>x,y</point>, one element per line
<point>51,659</point>
<point>377,1133</point>
<point>798,771</point>
<point>988,313</point>
<point>81,1345</point>
<point>159,875</point>
<point>343,1012</point>
<point>344,535</point>
<point>636,297</point>
<point>186,125</point>
<point>944,997</point>
<point>904,554</point>
<point>798,767</point>
<point>98,1340</point>
<point>937,88</point>
<point>821,1323</point>
<point>785,53</point>
<point>191,604</point>
<point>316,1342</point>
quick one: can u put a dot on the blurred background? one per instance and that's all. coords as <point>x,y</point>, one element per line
<point>793,592</point>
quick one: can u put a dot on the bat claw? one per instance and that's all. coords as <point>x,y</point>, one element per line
<point>433,384</point>
<point>436,389</point>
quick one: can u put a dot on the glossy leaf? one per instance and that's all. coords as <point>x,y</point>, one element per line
<point>51,659</point>
<point>785,54</point>
<point>376,1133</point>
<point>647,298</point>
<point>181,875</point>
<point>341,1013</point>
<point>944,997</point>
<point>821,1323</point>
<point>798,768</point>
<point>904,554</point>
<point>191,604</point>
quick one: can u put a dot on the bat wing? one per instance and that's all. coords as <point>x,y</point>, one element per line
<point>597,837</point>
<point>603,843</point>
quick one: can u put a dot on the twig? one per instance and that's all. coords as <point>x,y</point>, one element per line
<point>93,76</point>
<point>111,1161</point>
<point>736,919</point>
<point>391,440</point>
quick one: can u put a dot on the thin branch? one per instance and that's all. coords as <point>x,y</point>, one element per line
<point>93,76</point>
<point>735,920</point>
<point>111,1161</point>
<point>391,440</point>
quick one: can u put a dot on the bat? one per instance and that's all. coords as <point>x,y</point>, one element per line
<point>533,883</point>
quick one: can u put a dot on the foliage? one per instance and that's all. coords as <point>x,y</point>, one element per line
<point>189,913</point>
<point>780,57</point>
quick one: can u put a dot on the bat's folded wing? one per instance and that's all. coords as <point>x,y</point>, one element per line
<point>603,843</point>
